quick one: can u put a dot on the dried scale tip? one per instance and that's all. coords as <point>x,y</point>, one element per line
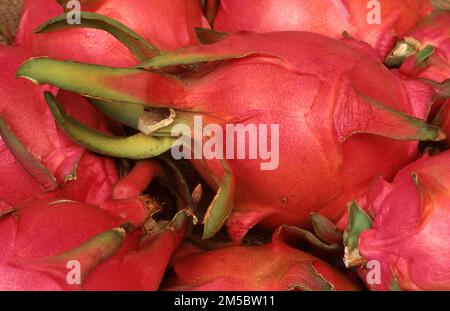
<point>154,119</point>
<point>402,50</point>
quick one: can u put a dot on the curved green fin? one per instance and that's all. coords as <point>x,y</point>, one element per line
<point>286,234</point>
<point>85,79</point>
<point>358,221</point>
<point>92,252</point>
<point>181,220</point>
<point>127,85</point>
<point>229,47</point>
<point>373,117</point>
<point>127,114</point>
<point>138,146</point>
<point>424,54</point>
<point>222,204</point>
<point>180,58</point>
<point>32,165</point>
<point>140,48</point>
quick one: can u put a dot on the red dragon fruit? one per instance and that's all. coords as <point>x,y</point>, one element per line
<point>401,229</point>
<point>278,266</point>
<point>343,119</point>
<point>427,48</point>
<point>40,156</point>
<point>358,18</point>
<point>114,247</point>
<point>169,25</point>
<point>81,247</point>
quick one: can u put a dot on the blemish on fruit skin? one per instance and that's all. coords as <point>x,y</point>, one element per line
<point>402,49</point>
<point>284,200</point>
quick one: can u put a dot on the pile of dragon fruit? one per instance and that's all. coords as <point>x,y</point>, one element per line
<point>101,188</point>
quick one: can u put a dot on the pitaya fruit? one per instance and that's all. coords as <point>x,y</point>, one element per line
<point>377,22</point>
<point>35,154</point>
<point>401,229</point>
<point>425,51</point>
<point>169,25</point>
<point>278,266</point>
<point>343,119</point>
<point>115,247</point>
<point>82,247</point>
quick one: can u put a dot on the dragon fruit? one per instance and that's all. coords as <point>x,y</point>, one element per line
<point>358,18</point>
<point>343,119</point>
<point>36,155</point>
<point>115,246</point>
<point>277,266</point>
<point>401,229</point>
<point>425,51</point>
<point>78,236</point>
<point>169,25</point>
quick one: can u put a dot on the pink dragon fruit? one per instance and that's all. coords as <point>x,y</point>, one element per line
<point>401,229</point>
<point>277,266</point>
<point>40,156</point>
<point>169,25</point>
<point>343,119</point>
<point>426,49</point>
<point>358,18</point>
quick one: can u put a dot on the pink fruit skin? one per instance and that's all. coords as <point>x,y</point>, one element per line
<point>330,18</point>
<point>62,225</point>
<point>315,97</point>
<point>433,30</point>
<point>166,24</point>
<point>23,107</point>
<point>410,232</point>
<point>273,267</point>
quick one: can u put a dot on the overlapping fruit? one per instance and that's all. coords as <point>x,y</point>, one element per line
<point>349,101</point>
